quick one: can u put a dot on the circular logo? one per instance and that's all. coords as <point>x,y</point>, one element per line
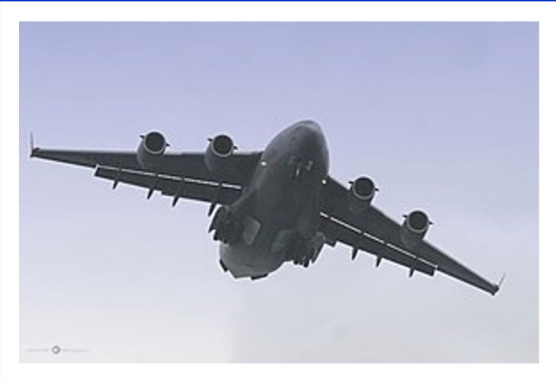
<point>56,350</point>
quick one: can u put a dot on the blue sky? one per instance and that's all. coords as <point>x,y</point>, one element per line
<point>443,116</point>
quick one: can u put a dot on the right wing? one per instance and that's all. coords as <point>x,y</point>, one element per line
<point>335,230</point>
<point>374,232</point>
<point>183,175</point>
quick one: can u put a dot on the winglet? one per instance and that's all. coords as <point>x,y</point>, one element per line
<point>32,145</point>
<point>501,281</point>
<point>499,285</point>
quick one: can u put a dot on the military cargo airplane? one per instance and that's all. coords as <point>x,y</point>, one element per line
<point>274,206</point>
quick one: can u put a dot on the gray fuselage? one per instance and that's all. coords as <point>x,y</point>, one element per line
<point>279,209</point>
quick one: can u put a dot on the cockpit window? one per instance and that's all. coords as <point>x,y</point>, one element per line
<point>300,168</point>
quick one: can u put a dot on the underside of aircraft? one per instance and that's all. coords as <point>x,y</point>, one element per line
<point>274,206</point>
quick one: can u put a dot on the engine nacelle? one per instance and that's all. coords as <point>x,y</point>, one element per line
<point>414,228</point>
<point>220,148</point>
<point>151,149</point>
<point>360,194</point>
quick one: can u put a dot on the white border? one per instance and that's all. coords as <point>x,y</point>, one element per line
<point>12,13</point>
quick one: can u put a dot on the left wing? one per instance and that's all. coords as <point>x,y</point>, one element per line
<point>372,224</point>
<point>182,175</point>
<point>179,165</point>
<point>176,188</point>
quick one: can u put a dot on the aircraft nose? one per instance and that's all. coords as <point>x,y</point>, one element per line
<point>309,132</point>
<point>309,125</point>
<point>308,145</point>
<point>309,139</point>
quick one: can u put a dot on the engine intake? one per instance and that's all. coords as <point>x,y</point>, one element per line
<point>151,149</point>
<point>360,194</point>
<point>414,228</point>
<point>220,148</point>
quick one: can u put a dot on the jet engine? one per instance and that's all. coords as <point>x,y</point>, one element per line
<point>360,194</point>
<point>414,228</point>
<point>151,149</point>
<point>220,148</point>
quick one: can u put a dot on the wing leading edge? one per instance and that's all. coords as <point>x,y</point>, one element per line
<point>376,233</point>
<point>180,165</point>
